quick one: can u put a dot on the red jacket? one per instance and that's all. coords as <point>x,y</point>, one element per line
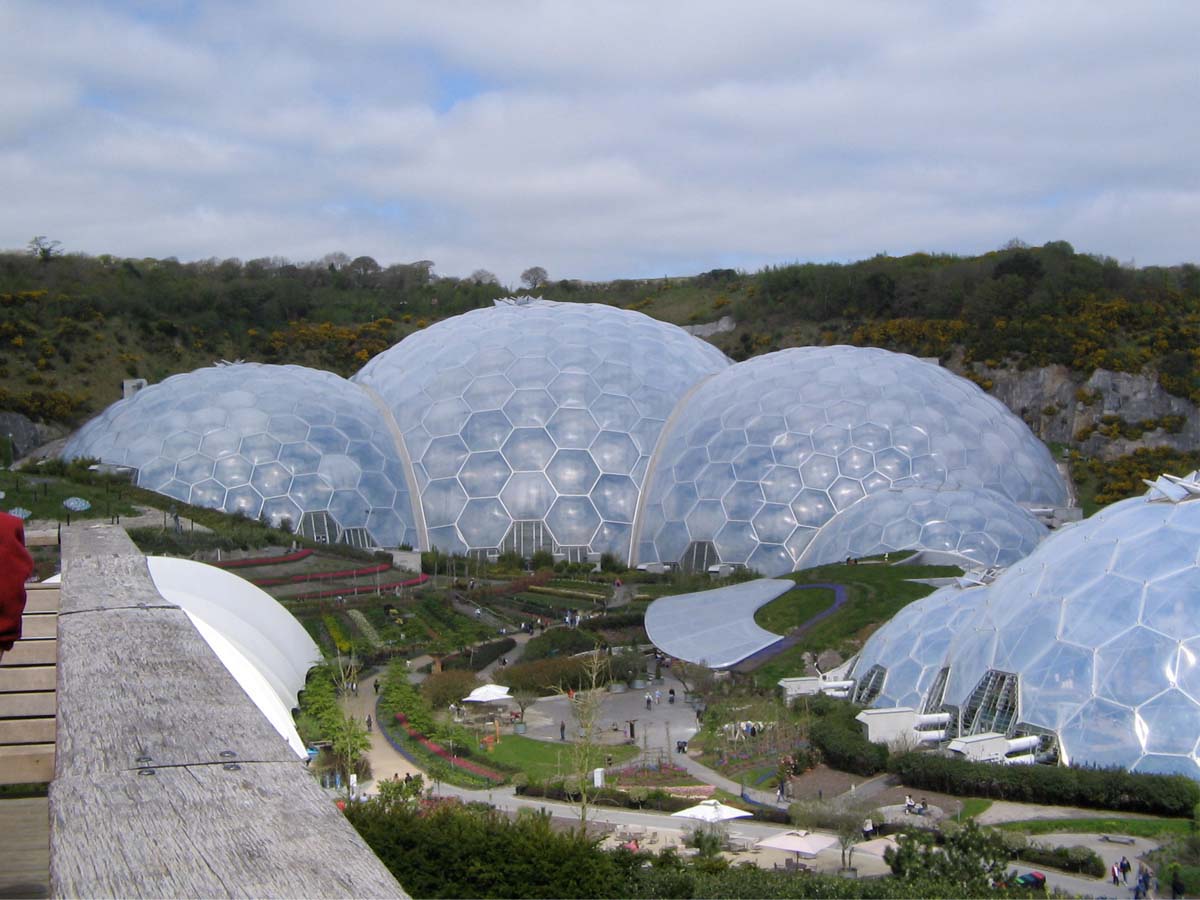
<point>16,565</point>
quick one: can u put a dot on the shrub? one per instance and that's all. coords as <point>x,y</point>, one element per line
<point>545,676</point>
<point>1068,859</point>
<point>1115,789</point>
<point>447,687</point>
<point>484,655</point>
<point>557,642</point>
<point>845,747</point>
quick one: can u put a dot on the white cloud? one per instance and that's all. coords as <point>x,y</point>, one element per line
<point>598,140</point>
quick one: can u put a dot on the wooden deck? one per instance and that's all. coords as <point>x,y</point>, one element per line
<point>28,701</point>
<point>168,780</point>
<point>25,824</point>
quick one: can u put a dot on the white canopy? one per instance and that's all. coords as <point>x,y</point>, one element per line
<point>803,843</point>
<point>711,811</point>
<point>488,693</point>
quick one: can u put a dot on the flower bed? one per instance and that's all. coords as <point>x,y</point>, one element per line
<point>433,747</point>
<point>262,560</point>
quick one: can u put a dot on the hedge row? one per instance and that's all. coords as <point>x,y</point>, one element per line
<point>1065,859</point>
<point>843,746</point>
<point>1115,789</point>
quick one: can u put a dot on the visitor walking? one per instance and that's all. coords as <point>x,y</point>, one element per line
<point>649,699</point>
<point>562,731</point>
<point>657,697</point>
<point>1126,867</point>
<point>368,722</point>
<point>671,696</point>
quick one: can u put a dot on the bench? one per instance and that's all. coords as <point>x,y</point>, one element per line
<point>1117,839</point>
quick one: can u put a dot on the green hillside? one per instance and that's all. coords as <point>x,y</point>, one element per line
<point>73,326</point>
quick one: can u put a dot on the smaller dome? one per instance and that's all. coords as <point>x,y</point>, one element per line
<point>975,523</point>
<point>281,443</point>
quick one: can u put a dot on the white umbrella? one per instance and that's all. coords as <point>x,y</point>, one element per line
<point>802,843</point>
<point>488,693</point>
<point>712,811</point>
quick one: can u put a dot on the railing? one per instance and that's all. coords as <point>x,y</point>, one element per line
<point>168,781</point>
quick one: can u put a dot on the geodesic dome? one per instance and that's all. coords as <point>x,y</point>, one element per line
<point>911,649</point>
<point>530,424</point>
<point>766,452</point>
<point>1094,637</point>
<point>281,442</point>
<point>977,524</point>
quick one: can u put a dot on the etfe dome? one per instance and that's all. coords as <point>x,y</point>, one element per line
<point>767,452</point>
<point>530,424</point>
<point>1093,638</point>
<point>277,442</point>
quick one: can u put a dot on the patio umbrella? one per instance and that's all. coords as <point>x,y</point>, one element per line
<point>711,811</point>
<point>877,846</point>
<point>20,512</point>
<point>488,693</point>
<point>802,843</point>
<point>77,504</point>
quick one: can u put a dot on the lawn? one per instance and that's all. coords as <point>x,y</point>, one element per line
<point>1145,828</point>
<point>44,496</point>
<point>547,760</point>
<point>784,613</point>
<point>974,806</point>
<point>875,593</point>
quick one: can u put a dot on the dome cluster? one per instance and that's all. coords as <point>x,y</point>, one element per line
<point>585,429</point>
<point>1094,638</point>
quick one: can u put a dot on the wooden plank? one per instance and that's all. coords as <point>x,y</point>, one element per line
<point>38,626</point>
<point>42,538</point>
<point>228,810</point>
<point>205,831</point>
<point>41,601</point>
<point>33,703</point>
<point>26,678</point>
<point>27,731</point>
<point>25,824</point>
<point>31,653</point>
<point>26,764</point>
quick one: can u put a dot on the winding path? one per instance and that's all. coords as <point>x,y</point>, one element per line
<point>754,660</point>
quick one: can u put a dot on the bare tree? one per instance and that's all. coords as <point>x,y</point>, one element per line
<point>534,277</point>
<point>483,276</point>
<point>586,704</point>
<point>45,249</point>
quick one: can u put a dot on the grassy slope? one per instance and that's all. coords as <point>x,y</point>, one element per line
<point>875,594</point>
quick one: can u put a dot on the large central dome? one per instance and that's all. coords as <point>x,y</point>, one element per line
<point>530,424</point>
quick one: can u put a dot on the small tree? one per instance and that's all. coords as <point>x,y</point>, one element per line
<point>449,686</point>
<point>696,678</point>
<point>844,818</point>
<point>586,704</point>
<point>44,249</point>
<point>350,741</point>
<point>972,858</point>
<point>534,277</point>
<point>524,698</point>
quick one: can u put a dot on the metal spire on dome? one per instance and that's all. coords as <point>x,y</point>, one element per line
<point>1173,488</point>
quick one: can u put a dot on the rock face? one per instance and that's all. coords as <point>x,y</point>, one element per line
<point>708,329</point>
<point>26,435</point>
<point>1057,406</point>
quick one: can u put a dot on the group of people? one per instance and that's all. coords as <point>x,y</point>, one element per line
<point>1145,881</point>
<point>912,808</point>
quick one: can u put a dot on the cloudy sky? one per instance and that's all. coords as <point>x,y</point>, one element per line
<point>599,139</point>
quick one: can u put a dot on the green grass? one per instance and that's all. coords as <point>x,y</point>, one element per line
<point>784,613</point>
<point>875,593</point>
<point>547,760</point>
<point>1145,828</point>
<point>974,806</point>
<point>44,496</point>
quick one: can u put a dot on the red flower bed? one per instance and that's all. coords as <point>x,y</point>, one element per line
<point>341,592</point>
<point>262,560</point>
<point>441,751</point>
<point>322,576</point>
